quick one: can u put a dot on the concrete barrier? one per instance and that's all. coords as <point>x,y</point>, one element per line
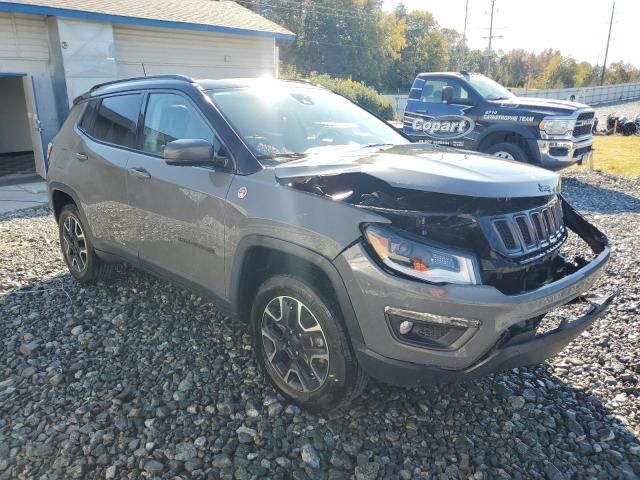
<point>590,95</point>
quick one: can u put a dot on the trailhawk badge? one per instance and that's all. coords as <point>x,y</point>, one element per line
<point>446,127</point>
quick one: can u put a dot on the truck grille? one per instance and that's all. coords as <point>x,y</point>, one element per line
<point>584,124</point>
<point>525,233</point>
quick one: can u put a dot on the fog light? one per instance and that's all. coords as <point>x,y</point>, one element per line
<point>429,330</point>
<point>405,327</point>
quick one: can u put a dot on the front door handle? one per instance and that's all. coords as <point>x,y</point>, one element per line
<point>140,173</point>
<point>81,156</point>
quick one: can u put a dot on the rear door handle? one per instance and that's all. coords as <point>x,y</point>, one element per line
<point>81,156</point>
<point>140,173</point>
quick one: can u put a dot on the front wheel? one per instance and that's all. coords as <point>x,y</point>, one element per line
<point>302,346</point>
<point>77,249</point>
<point>508,151</point>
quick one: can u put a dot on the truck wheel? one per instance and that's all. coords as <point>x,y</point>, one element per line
<point>302,346</point>
<point>508,151</point>
<point>77,249</point>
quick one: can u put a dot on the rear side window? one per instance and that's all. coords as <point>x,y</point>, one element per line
<point>88,115</point>
<point>117,120</point>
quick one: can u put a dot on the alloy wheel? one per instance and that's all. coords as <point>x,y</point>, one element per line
<point>75,244</point>
<point>295,344</point>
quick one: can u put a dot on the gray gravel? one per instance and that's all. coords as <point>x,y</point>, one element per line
<point>140,379</point>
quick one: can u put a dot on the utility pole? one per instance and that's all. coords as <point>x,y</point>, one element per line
<point>606,52</point>
<point>464,36</point>
<point>464,32</point>
<point>491,37</point>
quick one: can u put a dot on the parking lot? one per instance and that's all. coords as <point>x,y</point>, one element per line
<point>140,378</point>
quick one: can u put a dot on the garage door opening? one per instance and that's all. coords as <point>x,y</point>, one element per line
<point>20,141</point>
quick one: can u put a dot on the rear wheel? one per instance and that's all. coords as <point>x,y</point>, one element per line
<point>77,249</point>
<point>302,345</point>
<point>508,151</point>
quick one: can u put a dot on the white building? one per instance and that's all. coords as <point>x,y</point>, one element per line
<point>54,50</point>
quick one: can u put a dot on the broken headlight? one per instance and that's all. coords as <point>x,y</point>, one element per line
<point>404,254</point>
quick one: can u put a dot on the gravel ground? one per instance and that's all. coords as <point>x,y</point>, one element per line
<point>142,379</point>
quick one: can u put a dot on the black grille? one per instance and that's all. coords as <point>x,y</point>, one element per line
<point>526,234</point>
<point>548,220</point>
<point>537,224</point>
<point>582,130</point>
<point>506,235</point>
<point>524,230</point>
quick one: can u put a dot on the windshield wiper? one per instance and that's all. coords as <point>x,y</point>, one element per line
<point>293,155</point>
<point>371,145</point>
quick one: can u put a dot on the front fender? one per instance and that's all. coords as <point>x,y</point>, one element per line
<point>235,283</point>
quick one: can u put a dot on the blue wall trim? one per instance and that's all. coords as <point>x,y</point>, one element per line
<point>143,22</point>
<point>12,74</point>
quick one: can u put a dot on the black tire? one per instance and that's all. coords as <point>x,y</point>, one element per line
<point>515,151</point>
<point>93,270</point>
<point>343,381</point>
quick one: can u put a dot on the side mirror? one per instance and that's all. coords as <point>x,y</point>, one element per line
<point>447,94</point>
<point>193,152</point>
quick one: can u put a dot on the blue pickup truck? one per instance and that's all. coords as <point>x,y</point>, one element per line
<point>472,112</point>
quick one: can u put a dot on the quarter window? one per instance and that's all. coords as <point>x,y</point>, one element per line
<point>117,120</point>
<point>87,116</point>
<point>172,117</point>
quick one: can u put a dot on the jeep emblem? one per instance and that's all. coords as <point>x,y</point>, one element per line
<point>446,127</point>
<point>544,188</point>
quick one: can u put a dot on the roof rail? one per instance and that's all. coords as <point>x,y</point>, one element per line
<point>182,78</point>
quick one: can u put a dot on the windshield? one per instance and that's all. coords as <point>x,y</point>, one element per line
<point>489,89</point>
<point>282,122</point>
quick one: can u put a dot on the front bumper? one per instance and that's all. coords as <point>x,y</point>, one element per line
<point>504,357</point>
<point>489,315</point>
<point>559,154</point>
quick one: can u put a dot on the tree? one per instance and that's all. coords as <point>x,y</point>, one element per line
<point>426,49</point>
<point>356,39</point>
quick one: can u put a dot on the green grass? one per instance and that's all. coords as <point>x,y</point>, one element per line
<point>617,155</point>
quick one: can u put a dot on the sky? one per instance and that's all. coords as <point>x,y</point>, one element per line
<point>576,27</point>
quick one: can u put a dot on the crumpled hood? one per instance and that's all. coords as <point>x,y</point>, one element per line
<point>542,105</point>
<point>428,168</point>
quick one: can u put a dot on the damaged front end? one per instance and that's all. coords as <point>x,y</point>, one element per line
<point>518,242</point>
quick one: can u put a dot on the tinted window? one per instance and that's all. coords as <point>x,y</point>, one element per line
<point>172,117</point>
<point>432,91</point>
<point>117,120</point>
<point>87,117</point>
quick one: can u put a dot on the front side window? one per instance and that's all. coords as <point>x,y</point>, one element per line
<point>276,119</point>
<point>432,91</point>
<point>170,117</point>
<point>117,120</point>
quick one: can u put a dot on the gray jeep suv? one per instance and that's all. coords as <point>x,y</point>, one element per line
<point>349,251</point>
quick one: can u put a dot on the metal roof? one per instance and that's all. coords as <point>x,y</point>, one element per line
<point>205,15</point>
